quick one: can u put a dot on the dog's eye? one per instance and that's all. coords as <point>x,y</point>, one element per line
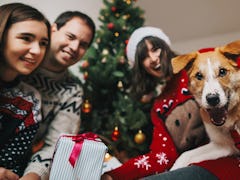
<point>222,72</point>
<point>199,76</point>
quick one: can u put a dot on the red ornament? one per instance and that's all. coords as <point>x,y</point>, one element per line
<point>85,75</point>
<point>115,134</point>
<point>110,26</point>
<point>113,9</point>
<point>85,64</point>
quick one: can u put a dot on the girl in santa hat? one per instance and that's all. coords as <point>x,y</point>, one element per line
<point>175,114</point>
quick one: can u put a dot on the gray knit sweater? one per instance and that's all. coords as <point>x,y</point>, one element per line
<point>61,106</point>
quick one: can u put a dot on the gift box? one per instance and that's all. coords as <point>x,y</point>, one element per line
<point>78,157</point>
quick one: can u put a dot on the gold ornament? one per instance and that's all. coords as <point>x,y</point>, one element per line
<point>86,107</point>
<point>128,2</point>
<point>139,137</point>
<point>116,34</point>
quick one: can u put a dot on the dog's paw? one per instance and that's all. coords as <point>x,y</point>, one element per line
<point>181,162</point>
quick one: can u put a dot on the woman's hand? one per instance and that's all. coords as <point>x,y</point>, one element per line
<point>7,174</point>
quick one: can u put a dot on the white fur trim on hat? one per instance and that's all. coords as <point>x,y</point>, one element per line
<point>138,35</point>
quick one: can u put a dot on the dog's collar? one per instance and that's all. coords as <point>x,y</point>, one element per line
<point>204,50</point>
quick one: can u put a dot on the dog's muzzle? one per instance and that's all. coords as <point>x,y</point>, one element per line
<point>218,115</point>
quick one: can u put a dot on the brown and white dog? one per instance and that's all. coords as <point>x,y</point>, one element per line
<point>214,80</point>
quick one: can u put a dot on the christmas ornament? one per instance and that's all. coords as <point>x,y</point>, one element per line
<point>139,137</point>
<point>86,107</point>
<point>113,9</point>
<point>85,75</point>
<point>116,34</point>
<point>110,26</point>
<point>125,17</point>
<point>85,64</point>
<point>128,2</point>
<point>115,134</point>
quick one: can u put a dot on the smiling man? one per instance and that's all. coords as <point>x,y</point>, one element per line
<point>71,35</point>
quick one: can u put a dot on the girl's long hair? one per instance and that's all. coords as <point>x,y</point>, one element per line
<point>142,81</point>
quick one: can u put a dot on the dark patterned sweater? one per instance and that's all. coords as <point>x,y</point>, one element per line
<point>19,120</point>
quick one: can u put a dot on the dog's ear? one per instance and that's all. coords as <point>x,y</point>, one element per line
<point>231,48</point>
<point>181,62</point>
<point>232,52</point>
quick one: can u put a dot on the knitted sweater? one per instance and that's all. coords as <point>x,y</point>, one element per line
<point>177,127</point>
<point>19,120</point>
<point>61,100</point>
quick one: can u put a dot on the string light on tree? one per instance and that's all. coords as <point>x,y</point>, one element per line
<point>104,60</point>
<point>120,85</point>
<point>140,137</point>
<point>105,52</point>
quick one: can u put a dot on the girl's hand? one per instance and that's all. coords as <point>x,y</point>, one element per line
<point>7,174</point>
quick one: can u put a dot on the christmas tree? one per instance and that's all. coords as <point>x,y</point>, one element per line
<point>108,109</point>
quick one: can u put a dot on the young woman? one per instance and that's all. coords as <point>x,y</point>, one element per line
<point>175,114</point>
<point>24,42</point>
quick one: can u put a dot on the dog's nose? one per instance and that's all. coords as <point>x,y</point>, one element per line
<point>213,99</point>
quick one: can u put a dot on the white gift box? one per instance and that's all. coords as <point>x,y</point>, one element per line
<point>78,157</point>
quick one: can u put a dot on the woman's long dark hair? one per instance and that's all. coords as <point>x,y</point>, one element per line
<point>142,81</point>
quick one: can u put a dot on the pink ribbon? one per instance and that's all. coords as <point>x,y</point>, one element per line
<point>78,139</point>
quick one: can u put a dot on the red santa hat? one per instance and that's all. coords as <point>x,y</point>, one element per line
<point>138,35</point>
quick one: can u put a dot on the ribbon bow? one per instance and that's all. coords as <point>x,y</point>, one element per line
<point>78,139</point>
